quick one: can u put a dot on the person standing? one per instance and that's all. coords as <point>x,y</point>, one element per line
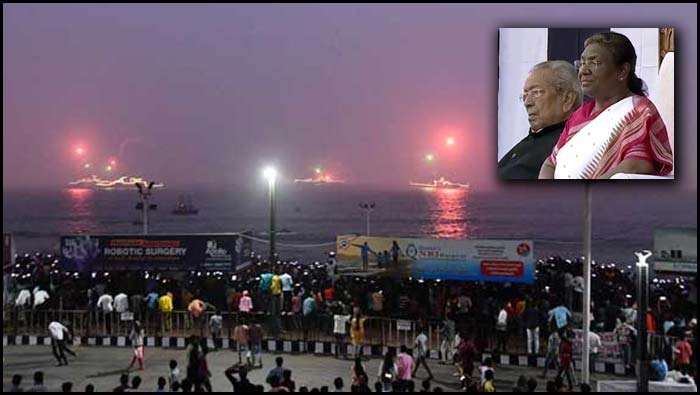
<point>255,346</point>
<point>241,335</point>
<point>378,302</point>
<point>447,332</point>
<point>467,356</point>
<point>388,372</point>
<point>196,310</point>
<point>364,252</point>
<point>165,303</point>
<point>357,333</point>
<point>682,353</point>
<point>276,303</point>
<point>245,305</point>
<point>561,316</point>
<point>309,311</point>
<point>532,327</point>
<point>595,345</point>
<point>340,322</point>
<point>215,326</point>
<point>106,303</point>
<point>395,252</point>
<point>502,330</point>
<point>625,334</point>
<point>121,303</point>
<point>566,361</point>
<point>136,336</point>
<point>405,366</point>
<point>287,288</point>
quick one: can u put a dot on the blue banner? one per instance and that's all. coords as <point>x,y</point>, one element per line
<point>213,252</point>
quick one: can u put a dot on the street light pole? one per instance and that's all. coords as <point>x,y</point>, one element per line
<point>271,176</point>
<point>368,208</point>
<point>586,303</point>
<point>144,199</point>
<point>145,193</point>
<point>643,303</point>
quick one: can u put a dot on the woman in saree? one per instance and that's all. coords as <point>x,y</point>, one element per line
<point>620,130</point>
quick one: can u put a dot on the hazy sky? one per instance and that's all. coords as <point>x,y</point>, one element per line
<point>210,93</point>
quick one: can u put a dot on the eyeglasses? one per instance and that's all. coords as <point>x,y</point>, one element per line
<point>535,94</point>
<point>592,64</point>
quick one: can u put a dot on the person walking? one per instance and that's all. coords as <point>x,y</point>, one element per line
<point>59,333</point>
<point>421,348</point>
<point>136,336</point>
<point>553,343</point>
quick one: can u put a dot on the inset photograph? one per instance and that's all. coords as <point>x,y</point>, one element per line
<point>585,103</point>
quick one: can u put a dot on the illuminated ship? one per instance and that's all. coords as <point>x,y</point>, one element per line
<point>440,183</point>
<point>321,179</point>
<point>123,182</point>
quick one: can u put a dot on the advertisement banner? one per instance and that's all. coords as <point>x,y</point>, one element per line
<point>609,350</point>
<point>469,260</point>
<point>214,252</point>
<point>676,250</point>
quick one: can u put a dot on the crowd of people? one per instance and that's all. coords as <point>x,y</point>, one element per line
<point>292,295</point>
<point>396,373</point>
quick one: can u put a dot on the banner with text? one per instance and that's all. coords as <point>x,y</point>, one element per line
<point>215,252</point>
<point>676,250</point>
<point>470,260</point>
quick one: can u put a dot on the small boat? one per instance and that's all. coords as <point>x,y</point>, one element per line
<point>185,207</point>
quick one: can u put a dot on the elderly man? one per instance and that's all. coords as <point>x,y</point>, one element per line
<point>551,93</point>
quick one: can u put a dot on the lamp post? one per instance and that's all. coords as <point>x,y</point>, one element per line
<point>643,303</point>
<point>270,175</point>
<point>367,208</point>
<point>586,302</point>
<point>145,193</point>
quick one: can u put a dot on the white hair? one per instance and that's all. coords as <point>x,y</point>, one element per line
<point>562,77</point>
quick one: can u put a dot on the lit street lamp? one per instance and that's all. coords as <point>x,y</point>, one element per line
<point>643,303</point>
<point>270,175</point>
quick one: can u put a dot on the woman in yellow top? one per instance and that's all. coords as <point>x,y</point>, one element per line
<point>357,332</point>
<point>488,384</point>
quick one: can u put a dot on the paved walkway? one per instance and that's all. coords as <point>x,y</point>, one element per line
<point>102,367</point>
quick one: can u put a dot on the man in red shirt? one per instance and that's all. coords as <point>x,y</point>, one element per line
<point>565,356</point>
<point>682,353</point>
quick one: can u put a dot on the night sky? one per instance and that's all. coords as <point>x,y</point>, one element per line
<point>208,94</point>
